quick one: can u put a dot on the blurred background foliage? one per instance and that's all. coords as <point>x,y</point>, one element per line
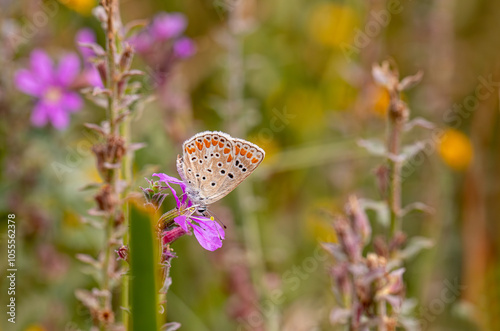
<point>306,97</point>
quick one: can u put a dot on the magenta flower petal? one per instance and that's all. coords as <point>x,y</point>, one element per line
<point>92,76</point>
<point>167,180</point>
<point>85,36</point>
<point>142,42</point>
<point>184,48</point>
<point>29,84</point>
<point>72,101</point>
<point>40,115</point>
<point>208,233</point>
<point>68,69</point>
<point>58,117</point>
<point>166,26</point>
<point>41,65</point>
<point>182,222</point>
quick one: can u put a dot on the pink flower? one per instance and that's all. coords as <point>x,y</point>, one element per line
<point>166,26</point>
<point>163,36</point>
<point>90,72</point>
<point>184,48</point>
<point>208,232</point>
<point>51,86</point>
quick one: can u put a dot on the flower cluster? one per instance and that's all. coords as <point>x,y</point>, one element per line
<point>363,285</point>
<point>182,220</point>
<point>162,42</point>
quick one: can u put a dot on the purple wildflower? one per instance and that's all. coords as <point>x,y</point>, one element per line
<point>167,26</point>
<point>184,48</point>
<point>208,232</point>
<point>162,37</point>
<point>90,72</point>
<point>142,42</point>
<point>51,86</point>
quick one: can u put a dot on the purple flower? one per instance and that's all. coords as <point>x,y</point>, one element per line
<point>51,86</point>
<point>208,232</point>
<point>90,72</point>
<point>162,37</point>
<point>85,36</point>
<point>142,41</point>
<point>184,48</point>
<point>167,26</point>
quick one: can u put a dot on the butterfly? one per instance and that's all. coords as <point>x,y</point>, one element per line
<point>213,163</point>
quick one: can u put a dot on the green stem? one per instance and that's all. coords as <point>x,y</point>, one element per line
<point>111,112</point>
<point>127,177</point>
<point>396,121</point>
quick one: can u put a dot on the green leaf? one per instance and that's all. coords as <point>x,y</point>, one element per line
<point>415,245</point>
<point>143,282</point>
<point>379,207</point>
<point>375,147</point>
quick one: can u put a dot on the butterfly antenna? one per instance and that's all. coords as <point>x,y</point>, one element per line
<point>216,218</point>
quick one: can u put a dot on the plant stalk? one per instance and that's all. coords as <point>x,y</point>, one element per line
<point>396,118</point>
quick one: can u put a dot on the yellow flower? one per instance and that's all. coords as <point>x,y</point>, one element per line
<point>331,24</point>
<point>83,7</point>
<point>380,101</point>
<point>455,149</point>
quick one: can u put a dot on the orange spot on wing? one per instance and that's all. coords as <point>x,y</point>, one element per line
<point>255,160</point>
<point>207,143</point>
<point>243,151</point>
<point>226,150</point>
<point>237,150</point>
<point>221,145</point>
<point>200,145</point>
<point>186,150</point>
<point>249,155</point>
<point>229,158</point>
<point>214,142</point>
